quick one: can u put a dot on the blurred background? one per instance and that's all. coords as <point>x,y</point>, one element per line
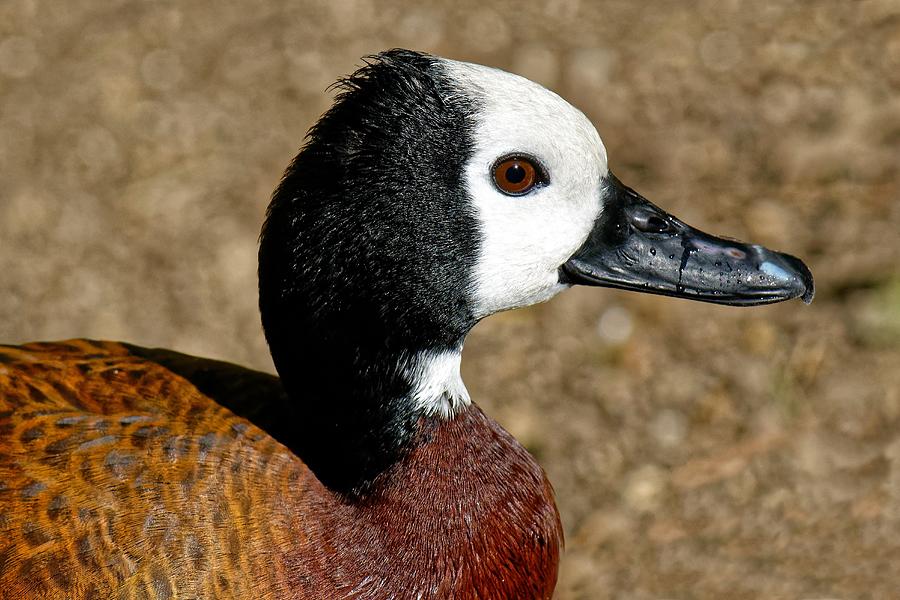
<point>697,451</point>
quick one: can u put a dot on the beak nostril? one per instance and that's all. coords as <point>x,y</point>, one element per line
<point>650,223</point>
<point>657,223</point>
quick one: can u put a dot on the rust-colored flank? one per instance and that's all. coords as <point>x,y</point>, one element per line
<point>120,479</point>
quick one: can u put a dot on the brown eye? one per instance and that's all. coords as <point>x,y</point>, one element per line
<point>515,175</point>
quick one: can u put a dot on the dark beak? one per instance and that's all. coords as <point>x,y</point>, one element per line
<point>637,246</point>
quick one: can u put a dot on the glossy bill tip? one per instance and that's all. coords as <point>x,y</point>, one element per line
<point>802,277</point>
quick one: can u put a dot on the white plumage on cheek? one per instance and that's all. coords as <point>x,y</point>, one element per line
<point>525,239</point>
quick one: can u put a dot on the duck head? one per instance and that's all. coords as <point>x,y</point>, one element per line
<point>433,194</point>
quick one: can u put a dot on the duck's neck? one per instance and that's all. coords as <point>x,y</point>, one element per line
<point>357,408</point>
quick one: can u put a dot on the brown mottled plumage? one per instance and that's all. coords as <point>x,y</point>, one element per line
<point>121,479</point>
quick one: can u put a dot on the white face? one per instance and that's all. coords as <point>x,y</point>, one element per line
<point>525,239</point>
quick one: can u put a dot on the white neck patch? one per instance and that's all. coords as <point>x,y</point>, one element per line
<point>525,239</point>
<point>437,386</point>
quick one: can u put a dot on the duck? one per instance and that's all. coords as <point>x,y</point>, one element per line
<point>431,195</point>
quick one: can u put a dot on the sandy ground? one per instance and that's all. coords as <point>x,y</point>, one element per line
<point>697,451</point>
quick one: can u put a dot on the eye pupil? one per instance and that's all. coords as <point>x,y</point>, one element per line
<point>515,173</point>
